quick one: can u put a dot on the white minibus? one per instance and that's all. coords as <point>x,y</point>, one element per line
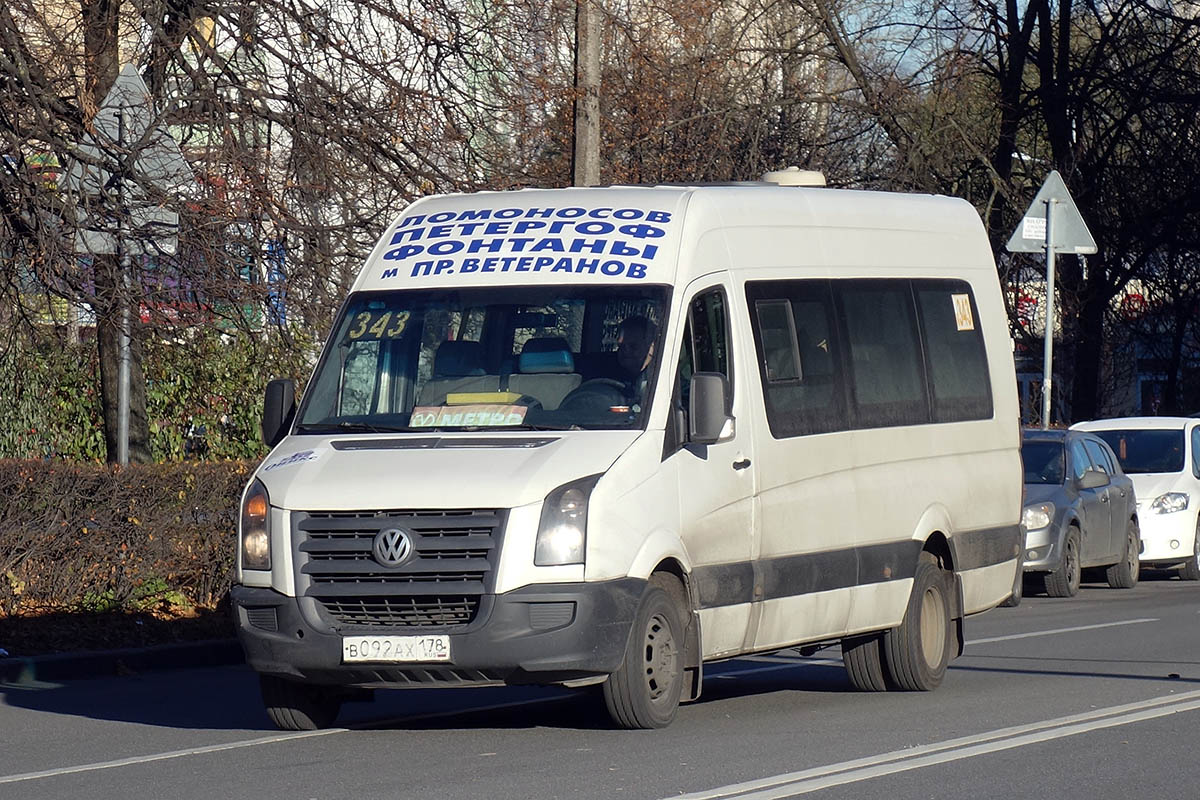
<point>608,435</point>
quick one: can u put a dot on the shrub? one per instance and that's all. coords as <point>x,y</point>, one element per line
<point>155,538</point>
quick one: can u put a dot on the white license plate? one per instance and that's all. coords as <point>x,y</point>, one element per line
<point>395,649</point>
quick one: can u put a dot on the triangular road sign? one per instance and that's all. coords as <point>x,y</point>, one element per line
<point>1069,232</point>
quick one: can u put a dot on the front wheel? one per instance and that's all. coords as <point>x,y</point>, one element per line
<point>296,706</point>
<point>644,691</point>
<point>1064,581</point>
<point>1124,574</point>
<point>918,650</point>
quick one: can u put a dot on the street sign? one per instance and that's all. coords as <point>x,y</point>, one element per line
<point>1069,232</point>
<point>1051,225</point>
<point>126,133</point>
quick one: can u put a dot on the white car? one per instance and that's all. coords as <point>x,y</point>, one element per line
<point>1162,456</point>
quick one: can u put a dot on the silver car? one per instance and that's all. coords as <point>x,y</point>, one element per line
<point>1080,512</point>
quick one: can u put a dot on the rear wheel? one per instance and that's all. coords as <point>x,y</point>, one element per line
<point>863,658</point>
<point>1191,570</point>
<point>296,706</point>
<point>1124,574</point>
<point>1064,581</point>
<point>644,691</point>
<point>917,652</point>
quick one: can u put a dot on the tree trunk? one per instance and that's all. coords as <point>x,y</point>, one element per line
<point>1088,350</point>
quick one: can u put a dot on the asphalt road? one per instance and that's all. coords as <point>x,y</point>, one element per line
<point>1095,697</point>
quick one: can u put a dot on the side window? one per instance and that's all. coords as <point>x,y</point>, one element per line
<point>798,356</point>
<point>957,361</point>
<point>705,346</point>
<point>1196,451</point>
<point>1079,459</point>
<point>884,353</point>
<point>1099,457</point>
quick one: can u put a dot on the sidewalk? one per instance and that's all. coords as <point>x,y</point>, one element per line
<point>128,661</point>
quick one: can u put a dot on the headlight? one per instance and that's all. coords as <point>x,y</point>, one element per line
<point>562,532</point>
<point>1169,503</point>
<point>1039,516</point>
<point>256,528</point>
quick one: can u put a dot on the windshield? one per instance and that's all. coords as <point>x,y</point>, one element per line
<point>489,358</point>
<point>1146,450</point>
<point>1043,461</point>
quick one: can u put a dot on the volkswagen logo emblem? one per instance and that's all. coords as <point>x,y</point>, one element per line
<point>392,547</point>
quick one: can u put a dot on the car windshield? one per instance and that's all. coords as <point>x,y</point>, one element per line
<point>490,358</point>
<point>1043,461</point>
<point>1154,450</point>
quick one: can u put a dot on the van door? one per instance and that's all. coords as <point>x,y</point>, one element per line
<point>716,481</point>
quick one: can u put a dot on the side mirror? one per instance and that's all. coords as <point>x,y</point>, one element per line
<point>708,404</point>
<point>1093,479</point>
<point>279,407</point>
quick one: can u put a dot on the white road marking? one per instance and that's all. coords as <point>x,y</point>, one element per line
<point>816,778</point>
<point>1056,631</point>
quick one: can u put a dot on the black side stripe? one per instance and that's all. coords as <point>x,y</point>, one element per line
<point>807,573</point>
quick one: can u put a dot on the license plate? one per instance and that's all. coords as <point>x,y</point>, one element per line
<point>395,649</point>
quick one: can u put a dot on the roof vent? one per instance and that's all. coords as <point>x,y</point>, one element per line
<point>794,176</point>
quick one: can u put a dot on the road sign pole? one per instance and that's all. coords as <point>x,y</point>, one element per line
<point>1048,358</point>
<point>123,298</point>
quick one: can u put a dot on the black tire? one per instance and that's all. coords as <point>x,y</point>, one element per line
<point>1124,573</point>
<point>644,691</point>
<point>296,706</point>
<point>863,658</point>
<point>1191,569</point>
<point>917,652</point>
<point>1064,581</point>
<point>1018,590</point>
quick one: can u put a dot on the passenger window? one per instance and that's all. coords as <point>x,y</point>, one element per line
<point>1079,459</point>
<point>798,356</point>
<point>886,369</point>
<point>957,360</point>
<point>1099,457</point>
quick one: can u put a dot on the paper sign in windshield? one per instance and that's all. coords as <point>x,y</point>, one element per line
<point>468,416</point>
<point>962,312</point>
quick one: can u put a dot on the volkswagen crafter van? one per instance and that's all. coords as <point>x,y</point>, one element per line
<point>606,435</point>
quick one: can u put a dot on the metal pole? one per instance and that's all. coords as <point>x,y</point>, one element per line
<point>1048,359</point>
<point>123,298</point>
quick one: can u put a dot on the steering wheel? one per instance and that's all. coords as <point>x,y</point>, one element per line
<point>596,394</point>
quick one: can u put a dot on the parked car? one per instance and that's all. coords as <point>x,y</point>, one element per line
<point>1080,511</point>
<point>1162,456</point>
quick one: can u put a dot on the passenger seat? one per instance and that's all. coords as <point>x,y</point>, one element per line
<point>546,371</point>
<point>457,367</point>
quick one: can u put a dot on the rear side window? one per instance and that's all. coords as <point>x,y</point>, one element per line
<point>842,354</point>
<point>958,374</point>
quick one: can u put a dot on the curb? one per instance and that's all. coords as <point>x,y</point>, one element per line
<point>127,661</point>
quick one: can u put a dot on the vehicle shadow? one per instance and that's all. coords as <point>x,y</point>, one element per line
<point>227,698</point>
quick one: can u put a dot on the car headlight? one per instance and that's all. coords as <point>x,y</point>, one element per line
<point>1169,503</point>
<point>1039,516</point>
<point>562,533</point>
<point>256,528</point>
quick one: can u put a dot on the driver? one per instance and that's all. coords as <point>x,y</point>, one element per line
<point>635,350</point>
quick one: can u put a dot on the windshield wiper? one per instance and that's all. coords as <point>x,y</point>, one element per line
<point>353,427</point>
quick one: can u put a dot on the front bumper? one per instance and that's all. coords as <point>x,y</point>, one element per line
<point>537,634</point>
<point>1167,538</point>
<point>1043,549</point>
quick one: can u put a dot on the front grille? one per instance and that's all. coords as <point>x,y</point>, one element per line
<point>440,585</point>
